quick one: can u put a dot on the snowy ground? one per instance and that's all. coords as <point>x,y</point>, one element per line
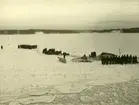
<point>24,71</point>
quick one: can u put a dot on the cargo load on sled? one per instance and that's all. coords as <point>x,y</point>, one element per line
<point>82,59</point>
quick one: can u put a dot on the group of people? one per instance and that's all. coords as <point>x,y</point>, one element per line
<point>24,46</point>
<point>52,51</point>
<point>124,59</point>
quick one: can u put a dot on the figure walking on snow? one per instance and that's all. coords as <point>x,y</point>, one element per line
<point>64,55</point>
<point>1,47</point>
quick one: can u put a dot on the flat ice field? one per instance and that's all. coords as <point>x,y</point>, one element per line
<point>26,69</point>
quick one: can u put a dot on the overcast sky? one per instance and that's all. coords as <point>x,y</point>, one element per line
<point>69,14</point>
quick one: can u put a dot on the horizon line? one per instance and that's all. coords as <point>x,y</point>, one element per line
<point>69,29</point>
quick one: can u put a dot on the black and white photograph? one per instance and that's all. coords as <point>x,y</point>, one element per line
<point>69,52</point>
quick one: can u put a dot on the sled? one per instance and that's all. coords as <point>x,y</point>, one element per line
<point>63,60</point>
<point>81,60</point>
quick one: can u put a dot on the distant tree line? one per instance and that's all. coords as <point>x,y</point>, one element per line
<point>131,30</point>
<point>124,59</point>
<point>30,31</point>
<point>33,31</point>
<point>46,31</point>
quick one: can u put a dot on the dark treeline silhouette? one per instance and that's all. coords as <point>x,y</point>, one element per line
<point>33,31</point>
<point>59,31</point>
<point>24,46</point>
<point>46,31</point>
<point>131,30</point>
<point>122,30</point>
<point>52,51</point>
<point>29,31</point>
<point>124,59</point>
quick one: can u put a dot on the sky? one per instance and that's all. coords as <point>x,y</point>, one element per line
<point>69,14</point>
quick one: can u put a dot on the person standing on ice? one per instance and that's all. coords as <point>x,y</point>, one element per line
<point>1,47</point>
<point>64,55</point>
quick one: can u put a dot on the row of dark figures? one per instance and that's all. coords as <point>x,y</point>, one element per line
<point>24,46</point>
<point>124,59</point>
<point>52,51</point>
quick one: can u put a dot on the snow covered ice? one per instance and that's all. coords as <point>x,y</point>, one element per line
<point>30,77</point>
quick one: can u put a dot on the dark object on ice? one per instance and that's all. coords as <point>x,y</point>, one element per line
<point>64,53</point>
<point>44,51</point>
<point>63,60</point>
<point>58,52</point>
<point>51,51</point>
<point>1,47</point>
<point>84,58</point>
<point>135,59</point>
<point>81,60</point>
<point>124,59</point>
<point>24,46</point>
<point>107,58</point>
<point>105,54</point>
<point>93,54</point>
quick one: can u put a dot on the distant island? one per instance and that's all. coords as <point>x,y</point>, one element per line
<point>47,31</point>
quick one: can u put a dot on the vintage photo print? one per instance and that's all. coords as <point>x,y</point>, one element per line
<point>69,52</point>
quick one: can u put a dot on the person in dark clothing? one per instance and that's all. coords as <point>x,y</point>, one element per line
<point>107,60</point>
<point>118,60</point>
<point>1,47</point>
<point>110,60</point>
<point>64,55</point>
<point>93,54</point>
<point>126,60</point>
<point>121,60</point>
<point>114,60</point>
<point>134,59</point>
<point>84,56</point>
<point>130,59</point>
<point>102,60</point>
